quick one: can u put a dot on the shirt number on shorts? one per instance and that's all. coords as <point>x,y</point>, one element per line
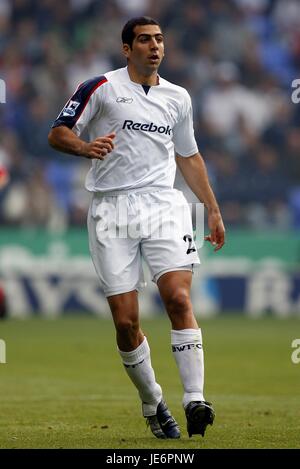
<point>191,248</point>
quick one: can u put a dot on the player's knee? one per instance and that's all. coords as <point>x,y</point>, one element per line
<point>127,326</point>
<point>179,301</point>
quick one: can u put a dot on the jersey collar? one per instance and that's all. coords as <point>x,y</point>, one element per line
<point>139,85</point>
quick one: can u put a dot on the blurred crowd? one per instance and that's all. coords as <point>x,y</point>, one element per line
<point>237,58</point>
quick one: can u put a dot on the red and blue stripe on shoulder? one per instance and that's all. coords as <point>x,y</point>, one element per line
<point>77,103</point>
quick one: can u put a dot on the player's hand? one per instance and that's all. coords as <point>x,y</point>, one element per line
<point>99,148</point>
<point>217,230</point>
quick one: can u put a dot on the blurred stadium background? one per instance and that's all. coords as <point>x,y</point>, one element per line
<point>238,59</point>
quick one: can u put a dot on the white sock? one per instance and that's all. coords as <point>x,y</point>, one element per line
<point>188,353</point>
<point>139,369</point>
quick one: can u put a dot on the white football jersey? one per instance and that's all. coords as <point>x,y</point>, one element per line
<point>149,123</point>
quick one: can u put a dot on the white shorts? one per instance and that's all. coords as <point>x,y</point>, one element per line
<point>125,228</point>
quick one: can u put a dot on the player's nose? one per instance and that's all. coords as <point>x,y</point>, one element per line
<point>154,44</point>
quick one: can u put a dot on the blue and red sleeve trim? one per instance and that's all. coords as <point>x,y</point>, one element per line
<point>77,103</point>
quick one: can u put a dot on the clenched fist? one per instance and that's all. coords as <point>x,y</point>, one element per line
<point>98,148</point>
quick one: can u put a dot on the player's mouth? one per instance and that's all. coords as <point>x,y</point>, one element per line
<point>154,58</point>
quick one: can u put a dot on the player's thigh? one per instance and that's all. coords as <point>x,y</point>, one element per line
<point>172,282</point>
<point>174,288</point>
<point>117,260</point>
<point>124,308</point>
<point>170,243</point>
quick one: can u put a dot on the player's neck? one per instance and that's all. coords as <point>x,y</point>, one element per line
<point>141,78</point>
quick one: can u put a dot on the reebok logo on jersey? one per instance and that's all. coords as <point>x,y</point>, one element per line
<point>130,125</point>
<point>181,348</point>
<point>123,99</point>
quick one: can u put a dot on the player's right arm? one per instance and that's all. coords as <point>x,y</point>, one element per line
<point>86,102</point>
<point>64,139</point>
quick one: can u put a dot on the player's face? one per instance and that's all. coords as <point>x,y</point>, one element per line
<point>147,49</point>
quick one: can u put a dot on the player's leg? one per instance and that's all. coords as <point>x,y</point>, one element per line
<point>117,261</point>
<point>134,349</point>
<point>186,340</point>
<point>135,354</point>
<point>169,248</point>
<point>125,312</point>
<point>170,253</point>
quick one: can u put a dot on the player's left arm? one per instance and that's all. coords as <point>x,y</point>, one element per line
<point>194,172</point>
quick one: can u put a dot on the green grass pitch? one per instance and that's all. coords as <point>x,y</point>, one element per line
<point>63,385</point>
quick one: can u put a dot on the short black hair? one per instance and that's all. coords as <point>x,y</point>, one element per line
<point>128,30</point>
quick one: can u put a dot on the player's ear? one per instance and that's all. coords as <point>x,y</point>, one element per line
<point>126,50</point>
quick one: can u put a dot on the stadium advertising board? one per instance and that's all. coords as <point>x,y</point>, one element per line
<point>58,277</point>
